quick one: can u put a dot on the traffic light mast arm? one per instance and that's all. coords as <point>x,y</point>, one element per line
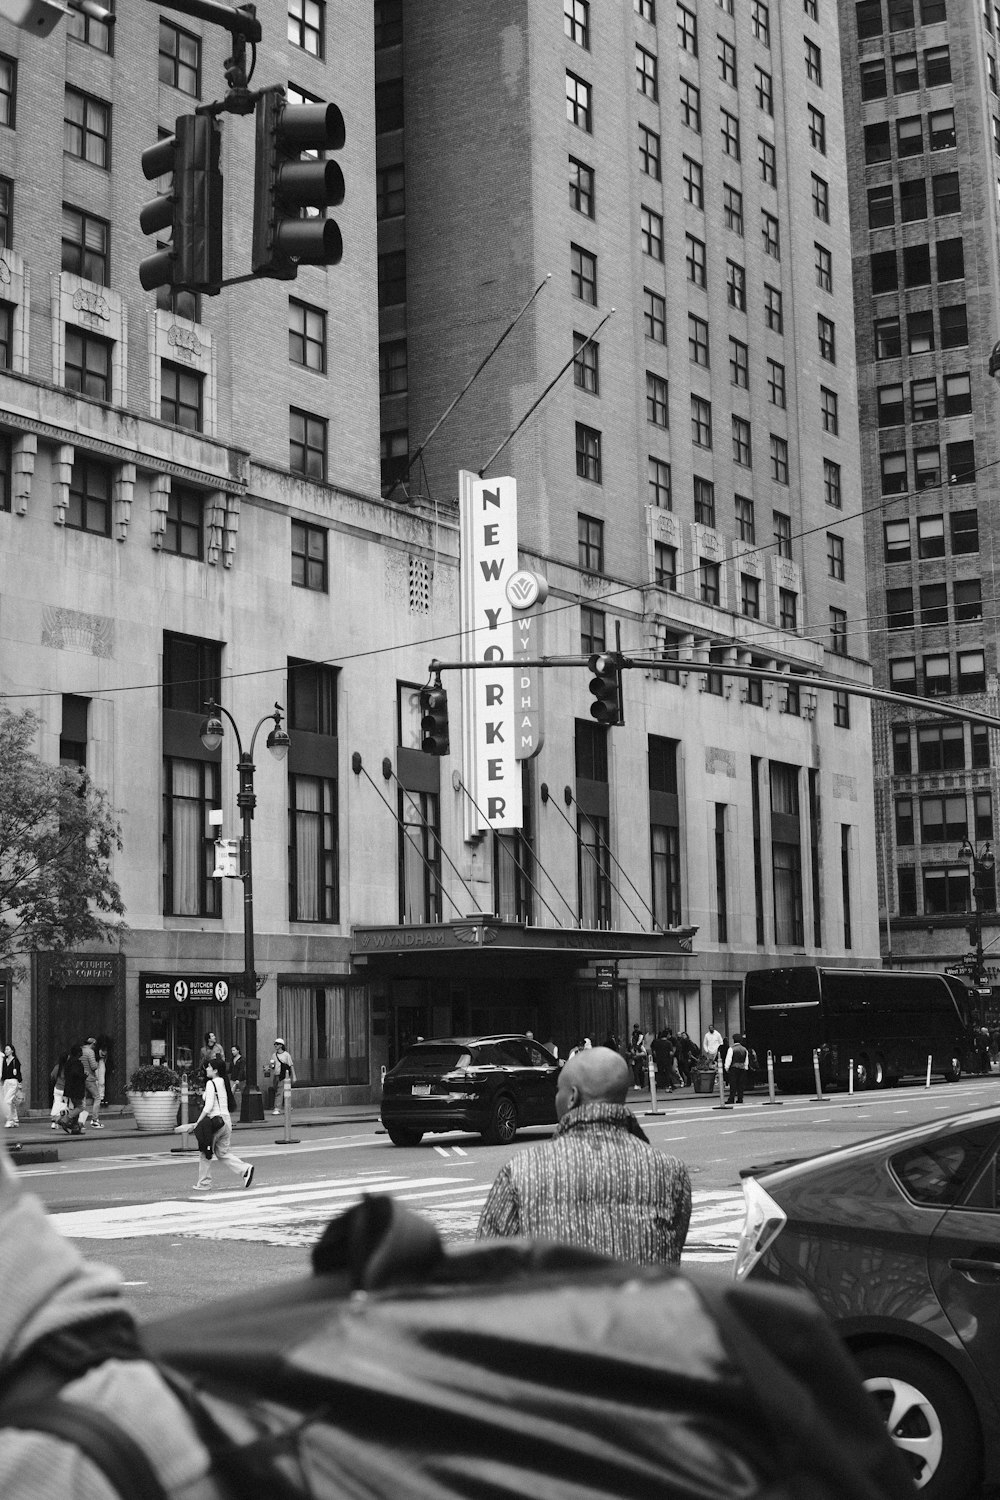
<point>945,710</point>
<point>240,20</point>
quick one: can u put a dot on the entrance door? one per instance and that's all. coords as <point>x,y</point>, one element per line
<point>411,1021</point>
<point>79,1011</point>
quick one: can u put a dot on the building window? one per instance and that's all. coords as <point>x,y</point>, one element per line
<point>184,527</point>
<point>654,316</point>
<point>576,22</point>
<point>180,59</point>
<point>727,62</point>
<point>841,709</point>
<point>307,444</point>
<point>581,187</point>
<point>390,192</point>
<point>881,207</point>
<point>649,152</point>
<point>745,527</point>
<point>930,536</point>
<point>786,858</point>
<point>779,459</point>
<point>937,67</point>
<point>89,507</point>
<point>657,393</point>
<point>893,472</point>
<point>916,265</point>
<point>903,674</point>
<point>750,596</point>
<point>690,101</point>
<point>923,400</point>
<point>307,339</point>
<point>592,630</point>
<point>645,72</point>
<point>583,274</point>
<point>838,631</point>
<point>730,129</point>
<point>579,109</point>
<point>770,234</point>
<point>814,63</point>
<point>889,400</point>
<point>85,245</point>
<point>971,672</point>
<point>388,24</point>
<point>736,285</point>
<point>694,182</point>
<point>788,609</point>
<point>394,448</point>
<point>588,453</point>
<point>835,555</point>
<point>392,278</point>
<point>91,31</point>
<point>954,326</point>
<point>392,367</point>
<point>968,596</point>
<point>704,501</point>
<point>687,30</point>
<point>821,198</point>
<point>824,268</point>
<point>773,314</point>
<point>732,208</point>
<point>701,422</point>
<point>6,334</point>
<point>590,543</point>
<point>826,335</point>
<point>309,556</point>
<point>927,467</point>
<point>957,395</point>
<point>419,857</point>
<point>964,531</point>
<point>868,18</point>
<point>312,848</point>
<point>905,77</point>
<point>651,231</point>
<point>586,365</point>
<point>941,129</point>
<point>831,484</point>
<point>696,260</point>
<point>658,476</point>
<point>829,410</point>
<point>180,396</point>
<point>708,581</point>
<point>776,383</point>
<point>739,363</point>
<point>87,128</point>
<point>767,160</point>
<point>937,675</point>
<point>765,90</point>
<point>782,533</point>
<point>697,340</point>
<point>191,788</point>
<point>665,566</point>
<point>950,256</point>
<point>665,859</point>
<point>961,461</point>
<point>8,91</point>
<point>742,446</point>
<point>760,22</point>
<point>306,21</point>
<point>88,364</point>
<point>887,338</point>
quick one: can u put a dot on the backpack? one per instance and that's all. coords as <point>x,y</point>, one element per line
<point>513,1367</point>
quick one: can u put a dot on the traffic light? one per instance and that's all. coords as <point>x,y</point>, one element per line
<point>606,687</point>
<point>284,185</point>
<point>191,211</point>
<point>434,719</point>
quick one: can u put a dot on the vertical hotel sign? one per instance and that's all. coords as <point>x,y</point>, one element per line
<point>488,521</point>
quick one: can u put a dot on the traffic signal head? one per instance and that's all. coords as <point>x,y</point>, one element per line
<point>606,688</point>
<point>191,211</point>
<point>284,185</point>
<point>434,719</point>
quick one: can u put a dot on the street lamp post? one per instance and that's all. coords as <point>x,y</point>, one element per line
<point>981,862</point>
<point>212,734</point>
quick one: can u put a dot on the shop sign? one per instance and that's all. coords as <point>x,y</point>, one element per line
<point>83,969</point>
<point>184,989</point>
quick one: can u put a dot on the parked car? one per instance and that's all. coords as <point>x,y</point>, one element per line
<point>488,1084</point>
<point>898,1239</point>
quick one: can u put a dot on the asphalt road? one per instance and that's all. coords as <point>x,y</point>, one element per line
<point>175,1248</point>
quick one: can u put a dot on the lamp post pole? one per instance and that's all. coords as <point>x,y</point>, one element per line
<point>981,862</point>
<point>212,734</point>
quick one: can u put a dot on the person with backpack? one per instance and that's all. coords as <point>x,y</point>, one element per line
<point>282,1067</point>
<point>737,1059</point>
<point>218,1101</point>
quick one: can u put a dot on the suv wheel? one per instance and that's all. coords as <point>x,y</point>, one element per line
<point>400,1136</point>
<point>929,1418</point>
<point>503,1122</point>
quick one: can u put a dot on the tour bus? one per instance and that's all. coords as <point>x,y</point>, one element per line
<point>881,1023</point>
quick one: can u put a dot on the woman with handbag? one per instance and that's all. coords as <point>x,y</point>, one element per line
<point>11,1091</point>
<point>215,1117</point>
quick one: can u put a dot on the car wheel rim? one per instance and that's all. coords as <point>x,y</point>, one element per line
<point>912,1423</point>
<point>506,1121</point>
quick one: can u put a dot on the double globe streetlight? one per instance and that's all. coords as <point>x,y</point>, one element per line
<point>213,732</point>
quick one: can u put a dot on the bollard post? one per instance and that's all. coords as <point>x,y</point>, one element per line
<point>770,1082</point>
<point>288,1139</point>
<point>652,1087</point>
<point>187,1140</point>
<point>928,1083</point>
<point>819,1082</point>
<point>850,1076</point>
<point>722,1085</point>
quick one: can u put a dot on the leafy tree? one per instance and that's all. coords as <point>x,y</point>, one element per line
<point>58,834</point>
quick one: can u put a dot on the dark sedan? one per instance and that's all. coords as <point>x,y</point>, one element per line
<point>486,1084</point>
<point>898,1239</point>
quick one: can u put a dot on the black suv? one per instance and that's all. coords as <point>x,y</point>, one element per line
<point>488,1084</point>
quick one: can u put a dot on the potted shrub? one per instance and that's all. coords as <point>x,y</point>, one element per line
<point>153,1090</point>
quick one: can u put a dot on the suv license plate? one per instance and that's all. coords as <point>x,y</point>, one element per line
<point>423,1089</point>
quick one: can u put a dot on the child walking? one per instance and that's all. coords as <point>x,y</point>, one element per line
<point>219,1100</point>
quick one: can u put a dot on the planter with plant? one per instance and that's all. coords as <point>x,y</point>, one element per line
<point>153,1091</point>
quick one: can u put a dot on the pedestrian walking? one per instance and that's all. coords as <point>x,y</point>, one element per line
<point>983,1049</point>
<point>711,1042</point>
<point>217,1104</point>
<point>687,1056</point>
<point>598,1183</point>
<point>735,1068</point>
<point>212,1048</point>
<point>638,1058</point>
<point>57,1078</point>
<point>237,1073</point>
<point>282,1067</point>
<point>664,1052</point>
<point>11,1090</point>
<point>92,1085</point>
<point>103,1068</point>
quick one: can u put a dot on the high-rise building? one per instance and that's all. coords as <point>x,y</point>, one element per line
<point>920,81</point>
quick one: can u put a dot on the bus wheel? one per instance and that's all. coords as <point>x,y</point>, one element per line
<point>879,1078</point>
<point>862,1072</point>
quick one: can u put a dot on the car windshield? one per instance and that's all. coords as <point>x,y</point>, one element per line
<point>442,1057</point>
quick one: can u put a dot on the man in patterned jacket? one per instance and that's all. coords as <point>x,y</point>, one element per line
<point>598,1183</point>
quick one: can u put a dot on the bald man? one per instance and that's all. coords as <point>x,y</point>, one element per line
<point>598,1183</point>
